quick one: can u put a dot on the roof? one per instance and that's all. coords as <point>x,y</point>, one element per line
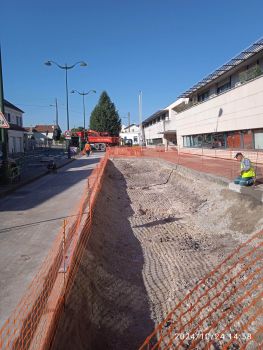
<point>10,105</point>
<point>127,127</point>
<point>16,127</point>
<point>44,128</point>
<point>153,116</point>
<point>240,58</point>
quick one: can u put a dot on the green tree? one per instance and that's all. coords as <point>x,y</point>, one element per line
<point>105,117</point>
<point>80,128</point>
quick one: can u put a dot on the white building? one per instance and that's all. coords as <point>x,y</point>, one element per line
<point>41,135</point>
<point>16,132</point>
<point>154,128</point>
<point>130,132</point>
<point>223,111</point>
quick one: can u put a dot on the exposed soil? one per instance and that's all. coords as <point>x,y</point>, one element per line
<point>157,231</point>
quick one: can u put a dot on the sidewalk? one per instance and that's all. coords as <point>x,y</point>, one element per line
<point>30,174</point>
<point>31,218</point>
<point>227,168</point>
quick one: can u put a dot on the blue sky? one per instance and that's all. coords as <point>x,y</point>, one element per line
<point>161,47</point>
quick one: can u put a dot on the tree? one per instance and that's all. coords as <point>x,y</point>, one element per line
<point>80,128</point>
<point>105,117</point>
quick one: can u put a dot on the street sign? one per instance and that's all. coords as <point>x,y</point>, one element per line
<point>68,135</point>
<point>3,122</point>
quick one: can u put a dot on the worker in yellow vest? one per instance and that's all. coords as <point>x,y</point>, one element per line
<point>247,176</point>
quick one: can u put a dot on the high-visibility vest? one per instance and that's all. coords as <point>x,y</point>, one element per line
<point>87,147</point>
<point>247,173</point>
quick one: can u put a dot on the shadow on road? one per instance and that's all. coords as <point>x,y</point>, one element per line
<point>49,186</point>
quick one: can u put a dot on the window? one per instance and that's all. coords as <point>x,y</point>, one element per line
<point>234,140</point>
<point>8,117</point>
<point>18,119</point>
<point>223,87</point>
<point>204,96</point>
<point>247,139</point>
<point>197,140</point>
<point>135,139</point>
<point>258,139</point>
<point>218,141</point>
<point>187,141</point>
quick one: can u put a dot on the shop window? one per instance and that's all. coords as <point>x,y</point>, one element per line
<point>258,138</point>
<point>197,141</point>
<point>207,141</point>
<point>218,141</point>
<point>234,140</point>
<point>247,139</point>
<point>187,141</point>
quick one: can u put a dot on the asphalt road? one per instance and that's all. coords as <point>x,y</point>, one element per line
<point>30,220</point>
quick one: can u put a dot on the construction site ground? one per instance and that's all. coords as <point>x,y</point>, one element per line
<point>157,230</point>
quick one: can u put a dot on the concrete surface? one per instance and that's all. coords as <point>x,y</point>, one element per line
<point>30,220</point>
<point>252,191</point>
<point>30,174</point>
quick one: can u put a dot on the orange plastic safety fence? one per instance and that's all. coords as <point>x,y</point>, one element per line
<point>223,310</point>
<point>33,323</point>
<point>220,163</point>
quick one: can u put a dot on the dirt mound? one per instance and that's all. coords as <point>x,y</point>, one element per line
<point>156,233</point>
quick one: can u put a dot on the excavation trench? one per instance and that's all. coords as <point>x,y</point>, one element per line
<point>157,230</point>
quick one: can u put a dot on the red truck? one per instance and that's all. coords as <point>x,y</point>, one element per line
<point>98,140</point>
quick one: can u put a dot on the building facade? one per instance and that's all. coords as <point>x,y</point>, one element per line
<point>16,132</point>
<point>154,128</point>
<point>130,132</point>
<point>225,109</point>
<point>222,111</point>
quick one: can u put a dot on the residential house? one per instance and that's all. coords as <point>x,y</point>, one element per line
<point>130,132</point>
<point>16,132</point>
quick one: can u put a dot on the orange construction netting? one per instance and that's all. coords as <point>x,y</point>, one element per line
<point>202,160</point>
<point>33,323</point>
<point>223,311</point>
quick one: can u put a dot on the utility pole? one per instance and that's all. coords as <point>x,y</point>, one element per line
<point>56,104</point>
<point>3,132</point>
<point>129,120</point>
<point>140,117</point>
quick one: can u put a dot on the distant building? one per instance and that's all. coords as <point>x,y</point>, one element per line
<point>16,132</point>
<point>41,135</point>
<point>154,128</point>
<point>130,132</point>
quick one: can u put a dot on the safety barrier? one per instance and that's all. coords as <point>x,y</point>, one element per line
<point>228,297</point>
<point>33,323</point>
<point>223,311</point>
<point>226,167</point>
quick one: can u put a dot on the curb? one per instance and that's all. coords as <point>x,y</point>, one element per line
<point>26,182</point>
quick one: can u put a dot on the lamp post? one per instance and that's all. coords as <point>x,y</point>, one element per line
<point>3,131</point>
<point>66,68</point>
<point>83,94</point>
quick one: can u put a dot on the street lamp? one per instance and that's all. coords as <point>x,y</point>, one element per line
<point>3,131</point>
<point>66,68</point>
<point>83,94</point>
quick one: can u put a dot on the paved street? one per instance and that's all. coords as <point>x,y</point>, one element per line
<point>30,219</point>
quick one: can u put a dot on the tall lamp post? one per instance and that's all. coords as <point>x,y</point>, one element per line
<point>3,131</point>
<point>83,94</point>
<point>66,68</point>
